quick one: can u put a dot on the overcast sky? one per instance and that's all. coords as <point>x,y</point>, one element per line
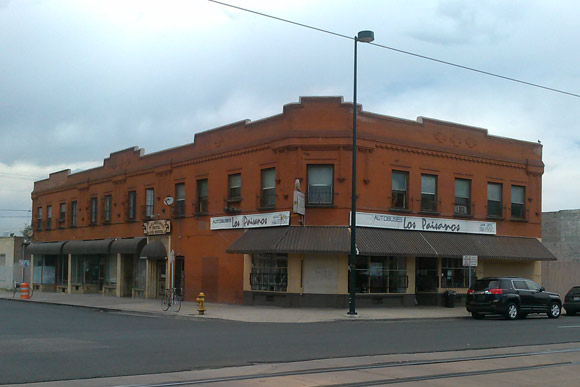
<point>82,79</point>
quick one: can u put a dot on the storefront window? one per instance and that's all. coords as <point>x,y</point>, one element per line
<point>140,273</point>
<point>111,270</point>
<point>269,272</point>
<point>381,274</point>
<point>85,269</point>
<point>62,275</point>
<point>454,274</point>
<point>44,271</point>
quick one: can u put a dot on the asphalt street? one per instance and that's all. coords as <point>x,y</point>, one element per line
<point>40,342</point>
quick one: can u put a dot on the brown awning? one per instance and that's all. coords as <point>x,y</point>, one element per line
<point>154,250</point>
<point>387,242</point>
<point>91,247</point>
<point>45,248</point>
<point>128,245</point>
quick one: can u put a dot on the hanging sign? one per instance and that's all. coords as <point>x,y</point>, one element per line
<point>271,219</point>
<point>157,227</point>
<point>299,203</point>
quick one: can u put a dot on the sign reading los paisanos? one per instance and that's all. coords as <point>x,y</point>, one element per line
<point>251,221</point>
<point>416,223</point>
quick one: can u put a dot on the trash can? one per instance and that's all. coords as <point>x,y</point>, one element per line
<point>450,298</point>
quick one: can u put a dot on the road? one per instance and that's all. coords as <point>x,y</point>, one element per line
<point>41,342</point>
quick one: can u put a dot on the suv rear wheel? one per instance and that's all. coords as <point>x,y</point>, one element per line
<point>477,316</point>
<point>554,310</point>
<point>512,311</point>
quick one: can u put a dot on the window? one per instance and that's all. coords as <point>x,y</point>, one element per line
<point>320,188</point>
<point>107,204</point>
<point>429,193</point>
<point>149,203</point>
<point>131,205</point>
<point>62,214</point>
<point>399,181</point>
<point>85,269</point>
<point>268,196</point>
<point>269,272</point>
<point>235,187</point>
<point>179,209</point>
<point>39,218</point>
<point>93,219</point>
<point>462,197</point>
<point>494,199</point>
<point>381,274</point>
<point>62,273</point>
<point>202,197</point>
<point>48,217</point>
<point>73,213</point>
<point>454,274</point>
<point>517,197</point>
<point>111,270</point>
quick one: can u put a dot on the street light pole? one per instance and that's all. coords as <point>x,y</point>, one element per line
<point>366,37</point>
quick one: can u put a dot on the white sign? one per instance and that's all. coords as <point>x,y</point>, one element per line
<point>298,205</point>
<point>271,219</point>
<point>24,262</point>
<point>416,223</point>
<point>470,260</point>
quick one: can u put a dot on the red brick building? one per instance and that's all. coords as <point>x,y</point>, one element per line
<point>429,192</point>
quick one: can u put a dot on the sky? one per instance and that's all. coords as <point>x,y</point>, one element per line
<point>82,79</point>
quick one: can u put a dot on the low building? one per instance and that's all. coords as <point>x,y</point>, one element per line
<point>14,265</point>
<point>258,212</point>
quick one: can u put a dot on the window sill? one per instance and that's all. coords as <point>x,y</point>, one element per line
<point>491,217</point>
<point>466,216</point>
<point>200,214</point>
<point>178,216</point>
<point>266,208</point>
<point>518,220</point>
<point>320,205</point>
<point>429,212</point>
<point>402,210</point>
<point>234,200</point>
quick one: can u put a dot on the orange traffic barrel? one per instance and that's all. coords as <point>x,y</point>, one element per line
<point>24,291</point>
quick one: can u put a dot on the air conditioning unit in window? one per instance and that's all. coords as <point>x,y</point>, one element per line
<point>462,210</point>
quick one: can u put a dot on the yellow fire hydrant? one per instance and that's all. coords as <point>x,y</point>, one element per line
<point>201,301</point>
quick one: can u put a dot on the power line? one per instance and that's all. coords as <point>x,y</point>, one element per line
<point>401,51</point>
<point>10,209</point>
<point>19,176</point>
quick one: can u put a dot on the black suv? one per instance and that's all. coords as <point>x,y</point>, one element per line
<point>513,297</point>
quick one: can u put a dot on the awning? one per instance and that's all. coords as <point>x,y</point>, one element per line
<point>128,245</point>
<point>92,247</point>
<point>45,248</point>
<point>297,240</point>
<point>387,242</point>
<point>154,250</point>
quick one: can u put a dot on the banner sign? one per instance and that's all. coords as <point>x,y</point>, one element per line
<point>416,223</point>
<point>157,227</point>
<point>470,260</point>
<point>299,204</point>
<point>271,219</point>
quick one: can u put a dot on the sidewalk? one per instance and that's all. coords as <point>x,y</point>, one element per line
<point>240,312</point>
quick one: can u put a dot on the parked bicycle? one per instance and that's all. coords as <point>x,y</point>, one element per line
<point>171,300</point>
<point>16,289</point>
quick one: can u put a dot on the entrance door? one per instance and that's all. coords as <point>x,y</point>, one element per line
<point>426,280</point>
<point>128,274</point>
<point>179,276</point>
<point>161,278</point>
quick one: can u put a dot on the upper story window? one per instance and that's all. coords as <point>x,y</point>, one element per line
<point>73,213</point>
<point>39,218</point>
<point>131,205</point>
<point>399,189</point>
<point>235,187</point>
<point>48,216</point>
<point>320,189</point>
<point>462,205</point>
<point>179,209</point>
<point>429,193</point>
<point>107,208</point>
<point>93,219</point>
<point>518,204</point>
<point>202,197</point>
<point>268,194</point>
<point>61,214</point>
<point>494,200</point>
<point>149,203</point>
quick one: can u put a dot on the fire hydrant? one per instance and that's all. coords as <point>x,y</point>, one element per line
<point>201,301</point>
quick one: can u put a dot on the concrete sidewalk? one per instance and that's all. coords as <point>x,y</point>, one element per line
<point>240,312</point>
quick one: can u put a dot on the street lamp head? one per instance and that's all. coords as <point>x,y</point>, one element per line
<point>366,36</point>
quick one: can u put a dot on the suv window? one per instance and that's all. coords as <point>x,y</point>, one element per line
<point>533,286</point>
<point>483,284</point>
<point>574,291</point>
<point>519,284</point>
<point>505,284</point>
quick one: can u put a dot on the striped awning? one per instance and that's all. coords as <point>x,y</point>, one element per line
<point>387,242</point>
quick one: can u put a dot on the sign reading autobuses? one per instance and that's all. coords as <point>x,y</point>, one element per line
<point>271,219</point>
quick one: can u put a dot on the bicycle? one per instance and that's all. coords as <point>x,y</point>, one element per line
<point>171,299</point>
<point>16,289</point>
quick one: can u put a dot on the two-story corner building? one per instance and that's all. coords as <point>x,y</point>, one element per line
<point>258,212</point>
